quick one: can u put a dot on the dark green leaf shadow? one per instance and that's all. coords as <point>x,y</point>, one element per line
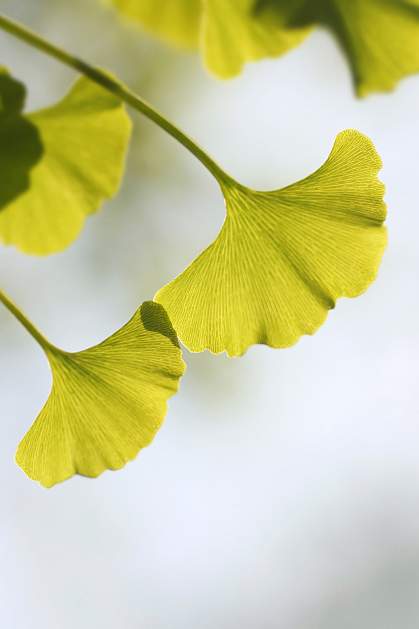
<point>20,144</point>
<point>155,319</point>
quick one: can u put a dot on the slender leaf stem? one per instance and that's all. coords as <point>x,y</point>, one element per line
<point>16,312</point>
<point>112,85</point>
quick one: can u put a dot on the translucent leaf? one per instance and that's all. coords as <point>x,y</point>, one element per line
<point>282,258</point>
<point>234,32</point>
<point>106,402</point>
<point>380,37</point>
<point>174,20</point>
<point>84,140</point>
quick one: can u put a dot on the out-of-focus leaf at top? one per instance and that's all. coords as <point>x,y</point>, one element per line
<point>176,21</point>
<point>379,37</point>
<point>282,258</point>
<point>106,403</point>
<point>233,33</point>
<point>229,32</point>
<point>20,144</point>
<point>79,163</point>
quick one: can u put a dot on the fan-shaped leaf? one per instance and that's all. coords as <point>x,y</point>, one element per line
<point>282,258</point>
<point>106,403</point>
<point>84,140</point>
<point>234,33</point>
<point>380,37</point>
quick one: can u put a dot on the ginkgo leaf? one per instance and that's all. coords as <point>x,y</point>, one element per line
<point>229,32</point>
<point>380,37</point>
<point>233,32</point>
<point>282,258</point>
<point>176,21</point>
<point>20,144</point>
<point>106,402</point>
<point>84,141</point>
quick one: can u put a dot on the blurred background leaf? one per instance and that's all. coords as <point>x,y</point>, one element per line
<point>178,21</point>
<point>379,37</point>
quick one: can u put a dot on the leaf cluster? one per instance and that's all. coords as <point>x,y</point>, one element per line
<point>378,37</point>
<point>279,263</point>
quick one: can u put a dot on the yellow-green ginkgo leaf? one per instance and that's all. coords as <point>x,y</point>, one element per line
<point>235,32</point>
<point>106,402</point>
<point>380,37</point>
<point>282,258</point>
<point>84,140</point>
<point>176,21</point>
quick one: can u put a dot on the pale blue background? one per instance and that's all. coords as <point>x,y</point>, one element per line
<point>283,489</point>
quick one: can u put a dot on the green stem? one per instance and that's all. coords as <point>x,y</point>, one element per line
<point>112,85</point>
<point>39,338</point>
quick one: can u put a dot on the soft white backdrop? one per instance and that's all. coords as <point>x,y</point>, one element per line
<point>283,489</point>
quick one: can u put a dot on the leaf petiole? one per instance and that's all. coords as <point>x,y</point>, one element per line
<point>115,87</point>
<point>18,314</point>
